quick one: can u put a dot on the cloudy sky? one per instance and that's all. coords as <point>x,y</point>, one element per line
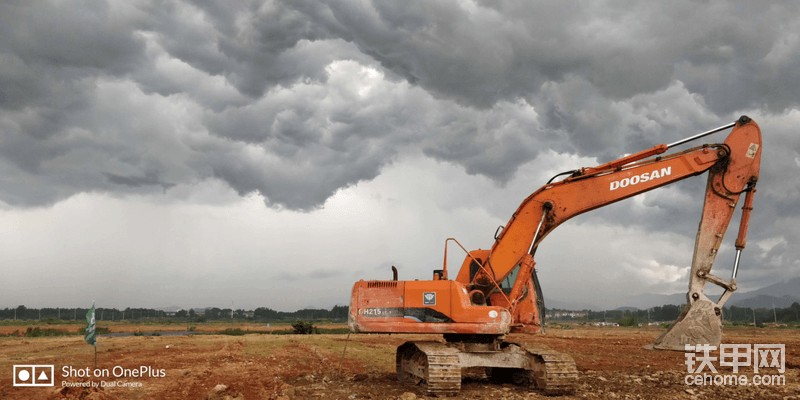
<point>270,154</point>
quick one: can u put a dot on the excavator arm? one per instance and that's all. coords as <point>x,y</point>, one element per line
<point>733,169</point>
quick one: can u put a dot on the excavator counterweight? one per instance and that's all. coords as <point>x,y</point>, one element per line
<point>497,292</point>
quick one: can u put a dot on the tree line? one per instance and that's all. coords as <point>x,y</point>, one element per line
<point>669,313</point>
<point>666,313</point>
<point>136,314</point>
<point>763,315</point>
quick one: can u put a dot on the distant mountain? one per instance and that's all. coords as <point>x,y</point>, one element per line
<point>627,309</point>
<point>790,287</point>
<point>551,304</point>
<point>765,301</point>
<point>783,293</point>
<point>779,290</point>
<point>645,301</point>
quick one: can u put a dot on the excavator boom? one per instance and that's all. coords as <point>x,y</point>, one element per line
<point>592,188</point>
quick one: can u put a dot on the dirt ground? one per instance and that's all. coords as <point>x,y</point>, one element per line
<point>611,362</point>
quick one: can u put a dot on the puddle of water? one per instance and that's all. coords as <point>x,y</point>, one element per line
<point>168,333</point>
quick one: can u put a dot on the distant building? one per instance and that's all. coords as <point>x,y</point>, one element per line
<point>605,324</point>
<point>571,314</point>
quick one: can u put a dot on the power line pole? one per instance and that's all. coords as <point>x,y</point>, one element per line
<point>773,313</point>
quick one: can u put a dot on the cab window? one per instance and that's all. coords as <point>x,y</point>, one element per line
<point>508,283</point>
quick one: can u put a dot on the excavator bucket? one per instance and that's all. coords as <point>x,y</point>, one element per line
<point>699,323</point>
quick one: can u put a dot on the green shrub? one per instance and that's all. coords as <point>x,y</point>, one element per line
<point>303,328</point>
<point>234,332</point>
<point>333,331</point>
<point>38,332</point>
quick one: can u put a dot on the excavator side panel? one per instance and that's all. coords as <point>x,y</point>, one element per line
<point>436,306</point>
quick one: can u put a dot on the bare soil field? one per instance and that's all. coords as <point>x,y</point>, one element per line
<point>611,362</point>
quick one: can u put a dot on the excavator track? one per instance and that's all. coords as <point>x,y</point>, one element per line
<point>436,367</point>
<point>555,373</point>
<point>433,365</point>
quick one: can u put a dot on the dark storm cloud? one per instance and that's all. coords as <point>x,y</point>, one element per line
<point>295,100</point>
<point>270,96</point>
<point>70,35</point>
<point>136,181</point>
<point>577,63</point>
<point>480,54</point>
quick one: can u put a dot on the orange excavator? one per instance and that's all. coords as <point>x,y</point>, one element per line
<point>496,291</point>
